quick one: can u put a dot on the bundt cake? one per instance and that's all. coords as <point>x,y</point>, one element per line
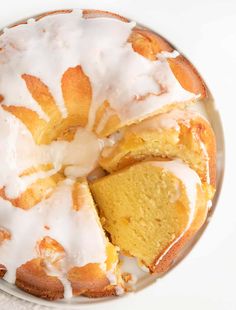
<point>99,154</point>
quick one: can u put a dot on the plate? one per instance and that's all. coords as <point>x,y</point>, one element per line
<point>208,109</point>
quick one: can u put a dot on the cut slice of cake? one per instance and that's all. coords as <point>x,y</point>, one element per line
<point>178,134</point>
<point>151,209</point>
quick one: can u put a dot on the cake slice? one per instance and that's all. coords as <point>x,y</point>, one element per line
<point>152,209</point>
<point>178,134</point>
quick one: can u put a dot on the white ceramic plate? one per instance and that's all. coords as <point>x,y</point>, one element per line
<point>209,110</point>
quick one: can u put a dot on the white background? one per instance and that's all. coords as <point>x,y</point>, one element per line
<point>206,32</point>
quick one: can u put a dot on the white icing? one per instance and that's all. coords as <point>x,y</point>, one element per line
<point>79,232</point>
<point>13,190</point>
<point>165,54</point>
<point>131,266</point>
<point>190,180</point>
<point>154,98</point>
<point>119,290</point>
<point>68,292</point>
<point>61,275</point>
<point>18,152</point>
<point>188,176</point>
<point>111,276</point>
<point>114,138</point>
<point>209,204</point>
<point>108,113</point>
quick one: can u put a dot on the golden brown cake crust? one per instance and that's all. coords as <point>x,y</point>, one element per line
<point>207,136</point>
<point>32,278</point>
<point>2,271</point>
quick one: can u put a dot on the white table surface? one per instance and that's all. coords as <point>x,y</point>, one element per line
<point>205,30</point>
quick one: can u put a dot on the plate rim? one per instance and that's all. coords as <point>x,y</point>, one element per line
<point>209,106</point>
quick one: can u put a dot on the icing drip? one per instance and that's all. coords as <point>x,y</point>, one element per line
<point>64,223</point>
<point>119,290</point>
<point>110,274</point>
<point>61,275</point>
<point>165,121</point>
<point>190,180</point>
